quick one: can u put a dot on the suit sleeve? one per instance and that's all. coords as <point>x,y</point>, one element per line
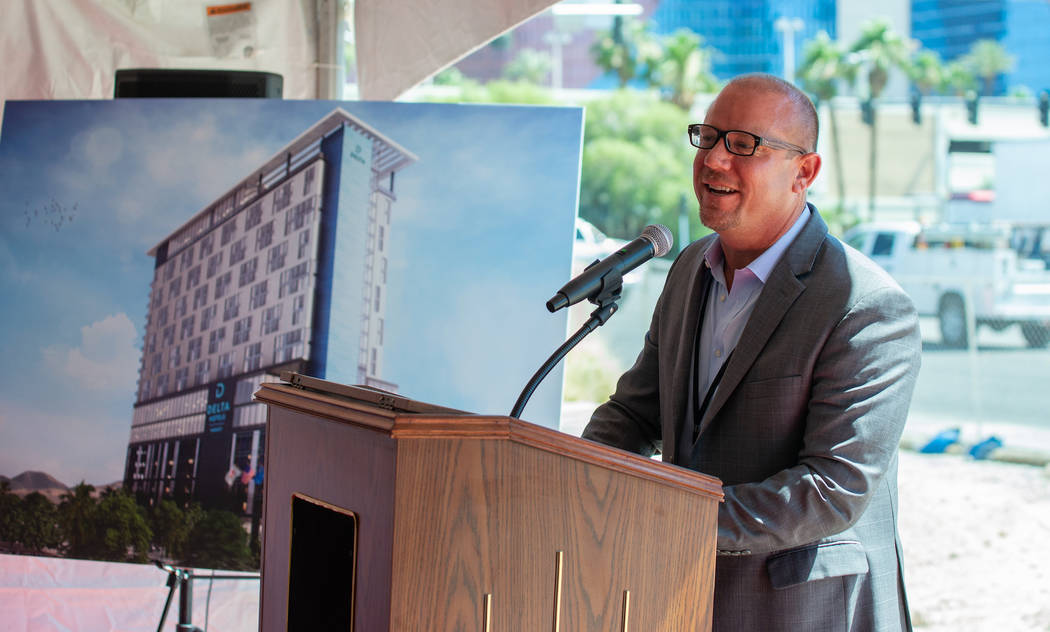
<point>861,388</point>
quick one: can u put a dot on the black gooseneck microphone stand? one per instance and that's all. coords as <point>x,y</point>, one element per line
<point>605,299</point>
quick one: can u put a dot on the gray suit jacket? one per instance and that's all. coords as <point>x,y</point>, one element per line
<point>803,431</point>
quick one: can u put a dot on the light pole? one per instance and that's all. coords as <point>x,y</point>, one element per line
<point>788,27</point>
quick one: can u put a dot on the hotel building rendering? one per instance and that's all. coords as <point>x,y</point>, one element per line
<point>286,271</point>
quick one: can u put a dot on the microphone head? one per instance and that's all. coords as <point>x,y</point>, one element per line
<point>660,237</point>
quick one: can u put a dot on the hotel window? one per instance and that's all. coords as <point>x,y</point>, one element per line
<point>175,287</point>
<point>248,271</point>
<point>238,250</point>
<point>186,259</point>
<point>242,330</point>
<point>292,278</point>
<point>308,180</point>
<point>378,289</point>
<point>264,236</point>
<point>253,217</point>
<point>200,297</point>
<point>374,355</point>
<point>222,283</point>
<point>193,350</point>
<point>204,371</point>
<point>215,339</point>
<point>382,269</point>
<point>379,331</point>
<point>158,362</point>
<point>288,346</point>
<point>298,309</point>
<point>275,260</point>
<point>193,277</point>
<point>152,346</point>
<point>283,197</point>
<point>187,327</point>
<point>181,306</point>
<point>168,336</point>
<point>225,367</point>
<point>169,270</point>
<point>258,295</point>
<point>207,316</point>
<point>162,316</point>
<point>382,233</point>
<point>228,231</point>
<point>252,357</point>
<point>214,263</point>
<point>181,378</point>
<point>175,357</point>
<point>161,386</point>
<point>298,216</point>
<point>271,319</point>
<point>304,244</point>
<point>207,244</point>
<point>231,308</point>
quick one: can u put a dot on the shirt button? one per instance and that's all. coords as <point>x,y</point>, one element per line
<point>722,298</point>
<point>718,353</point>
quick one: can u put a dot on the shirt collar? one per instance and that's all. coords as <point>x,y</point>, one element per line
<point>762,266</point>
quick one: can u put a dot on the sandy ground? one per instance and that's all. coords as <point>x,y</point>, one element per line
<point>976,540</point>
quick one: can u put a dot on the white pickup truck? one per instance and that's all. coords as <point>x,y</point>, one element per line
<point>966,277</point>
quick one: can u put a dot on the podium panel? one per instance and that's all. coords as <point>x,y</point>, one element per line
<point>483,523</point>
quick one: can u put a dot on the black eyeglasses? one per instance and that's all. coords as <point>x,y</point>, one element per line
<point>737,141</point>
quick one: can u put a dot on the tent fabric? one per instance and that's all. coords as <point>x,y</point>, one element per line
<point>45,594</point>
<point>401,43</point>
<point>71,49</point>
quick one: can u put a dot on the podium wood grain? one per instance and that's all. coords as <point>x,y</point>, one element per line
<point>462,521</point>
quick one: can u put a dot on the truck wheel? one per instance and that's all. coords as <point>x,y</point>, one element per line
<point>952,318</point>
<point>1036,336</point>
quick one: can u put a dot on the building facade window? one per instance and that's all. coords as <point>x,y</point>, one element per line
<point>193,350</point>
<point>293,279</point>
<point>175,357</point>
<point>174,287</point>
<point>248,272</point>
<point>288,346</point>
<point>222,284</point>
<point>215,339</point>
<point>229,229</point>
<point>252,356</point>
<point>193,277</point>
<point>264,236</point>
<point>207,245</point>
<point>167,336</point>
<point>181,306</point>
<point>298,309</point>
<point>304,244</point>
<point>253,217</point>
<point>200,297</point>
<point>258,295</point>
<point>225,367</point>
<point>242,330</point>
<point>181,378</point>
<point>186,331</point>
<point>231,308</point>
<point>214,263</point>
<point>271,320</point>
<point>276,257</point>
<point>204,371</point>
<point>238,250</point>
<point>283,197</point>
<point>208,317</point>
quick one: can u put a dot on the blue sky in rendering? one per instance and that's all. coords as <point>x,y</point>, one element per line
<point>481,238</point>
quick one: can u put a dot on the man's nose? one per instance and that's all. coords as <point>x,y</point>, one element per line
<point>718,157</point>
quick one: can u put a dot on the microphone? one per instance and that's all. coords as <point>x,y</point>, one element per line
<point>655,241</point>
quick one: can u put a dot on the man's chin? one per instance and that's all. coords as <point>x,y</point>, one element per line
<point>718,220</point>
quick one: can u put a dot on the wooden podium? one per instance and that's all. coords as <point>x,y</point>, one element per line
<point>385,514</point>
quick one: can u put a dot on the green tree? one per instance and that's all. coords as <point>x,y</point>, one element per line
<point>529,65</point>
<point>10,513</point>
<point>636,163</point>
<point>170,528</point>
<point>629,50</point>
<point>877,51</point>
<point>823,69</point>
<point>76,515</point>
<point>121,527</point>
<point>958,79</point>
<point>684,68</point>
<point>926,71</point>
<point>987,60</point>
<point>39,529</point>
<point>218,541</point>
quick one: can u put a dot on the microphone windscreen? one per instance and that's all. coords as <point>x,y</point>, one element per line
<point>660,237</point>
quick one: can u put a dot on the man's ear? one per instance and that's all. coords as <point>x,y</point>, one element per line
<point>808,168</point>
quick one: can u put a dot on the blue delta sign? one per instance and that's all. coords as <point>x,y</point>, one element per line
<point>219,407</point>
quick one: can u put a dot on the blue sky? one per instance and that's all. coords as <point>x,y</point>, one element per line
<point>481,238</point>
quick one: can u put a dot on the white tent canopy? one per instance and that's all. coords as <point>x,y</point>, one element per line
<point>71,49</point>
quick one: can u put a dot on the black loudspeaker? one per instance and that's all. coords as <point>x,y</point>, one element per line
<point>168,82</point>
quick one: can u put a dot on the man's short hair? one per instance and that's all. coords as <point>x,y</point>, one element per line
<point>807,113</point>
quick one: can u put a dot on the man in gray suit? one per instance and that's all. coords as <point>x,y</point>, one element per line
<point>782,362</point>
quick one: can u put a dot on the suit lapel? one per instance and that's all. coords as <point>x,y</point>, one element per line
<point>780,291</point>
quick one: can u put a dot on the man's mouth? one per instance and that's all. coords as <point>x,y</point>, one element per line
<point>719,189</point>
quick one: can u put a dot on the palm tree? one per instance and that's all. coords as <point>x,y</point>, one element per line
<point>685,68</point>
<point>958,79</point>
<point>628,50</point>
<point>823,67</point>
<point>926,72</point>
<point>988,59</point>
<point>877,51</point>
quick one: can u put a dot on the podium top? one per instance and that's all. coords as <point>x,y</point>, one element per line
<point>367,394</point>
<point>405,419</point>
